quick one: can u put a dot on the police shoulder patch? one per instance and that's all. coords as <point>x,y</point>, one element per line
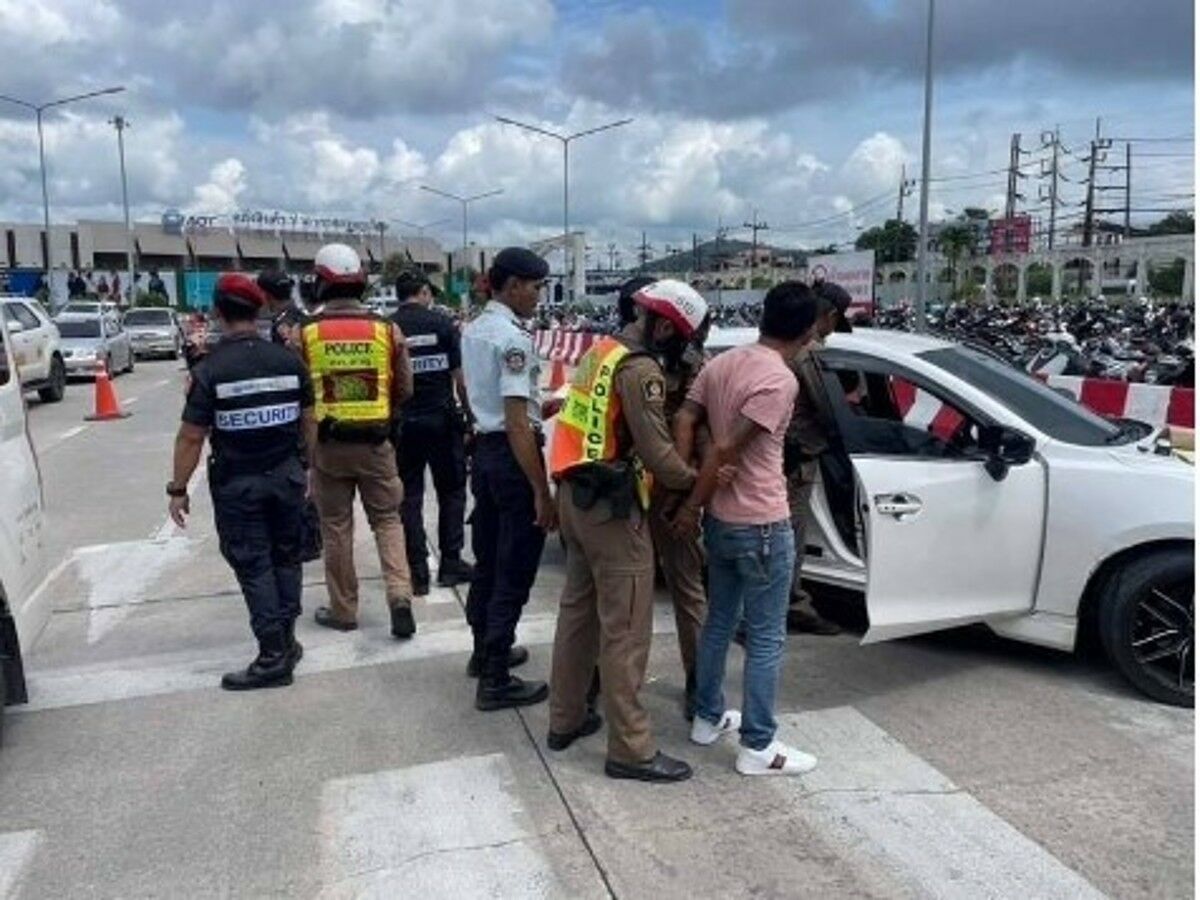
<point>654,389</point>
<point>515,360</point>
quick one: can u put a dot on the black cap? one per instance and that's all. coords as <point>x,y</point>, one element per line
<point>625,294</point>
<point>516,262</point>
<point>277,283</point>
<point>410,281</point>
<point>834,294</point>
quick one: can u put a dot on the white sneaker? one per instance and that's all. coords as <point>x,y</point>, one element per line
<point>777,759</point>
<point>705,733</point>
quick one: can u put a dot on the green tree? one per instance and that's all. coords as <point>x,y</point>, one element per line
<point>957,240</point>
<point>1167,281</point>
<point>1179,222</point>
<point>894,241</point>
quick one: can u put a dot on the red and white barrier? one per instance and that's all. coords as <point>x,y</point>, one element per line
<point>1150,403</point>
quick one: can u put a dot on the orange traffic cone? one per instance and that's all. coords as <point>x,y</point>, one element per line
<point>558,375</point>
<point>107,406</point>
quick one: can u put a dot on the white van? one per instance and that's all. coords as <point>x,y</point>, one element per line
<point>21,532</point>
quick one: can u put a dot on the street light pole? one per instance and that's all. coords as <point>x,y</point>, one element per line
<point>465,201</point>
<point>38,109</point>
<point>922,247</point>
<point>565,140</point>
<point>121,123</point>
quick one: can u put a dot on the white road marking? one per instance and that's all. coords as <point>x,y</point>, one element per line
<point>324,651</point>
<point>892,807</point>
<point>65,436</point>
<point>17,849</point>
<point>168,528</point>
<point>162,382</point>
<point>116,575</point>
<point>129,401</point>
<point>444,829</point>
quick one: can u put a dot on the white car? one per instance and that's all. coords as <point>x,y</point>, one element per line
<point>21,532</point>
<point>36,347</point>
<point>960,490</point>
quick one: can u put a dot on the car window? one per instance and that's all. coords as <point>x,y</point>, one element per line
<point>884,411</point>
<point>21,313</point>
<point>1042,407</point>
<point>147,317</point>
<point>80,328</point>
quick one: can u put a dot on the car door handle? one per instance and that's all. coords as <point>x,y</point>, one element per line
<point>898,505</point>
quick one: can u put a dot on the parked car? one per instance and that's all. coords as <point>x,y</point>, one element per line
<point>154,332</point>
<point>94,343</point>
<point>36,347</point>
<point>22,556</point>
<point>88,307</point>
<point>961,490</point>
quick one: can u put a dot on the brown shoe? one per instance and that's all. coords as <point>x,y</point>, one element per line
<point>805,621</point>
<point>326,619</point>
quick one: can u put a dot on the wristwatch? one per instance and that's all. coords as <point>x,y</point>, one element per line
<point>173,491</point>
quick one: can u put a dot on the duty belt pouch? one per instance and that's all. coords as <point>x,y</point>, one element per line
<point>614,482</point>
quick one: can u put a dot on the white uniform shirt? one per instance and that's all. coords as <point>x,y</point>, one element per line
<point>499,361</point>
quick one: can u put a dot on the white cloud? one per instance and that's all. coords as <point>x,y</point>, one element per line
<point>876,162</point>
<point>226,183</point>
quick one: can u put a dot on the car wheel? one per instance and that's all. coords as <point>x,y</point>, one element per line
<point>54,391</point>
<point>1147,624</point>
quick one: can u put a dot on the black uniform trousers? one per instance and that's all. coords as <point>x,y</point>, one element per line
<point>508,549</point>
<point>434,440</point>
<point>260,527</point>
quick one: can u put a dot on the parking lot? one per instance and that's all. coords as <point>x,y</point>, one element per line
<point>958,765</point>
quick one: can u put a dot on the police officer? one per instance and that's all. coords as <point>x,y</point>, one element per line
<point>251,399</point>
<point>285,316</point>
<point>432,433</point>
<point>807,438</point>
<point>610,435</point>
<point>361,375</point>
<point>513,505</point>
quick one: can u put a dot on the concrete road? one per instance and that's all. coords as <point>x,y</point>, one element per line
<point>951,766</point>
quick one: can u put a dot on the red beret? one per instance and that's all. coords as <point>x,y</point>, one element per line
<point>240,289</point>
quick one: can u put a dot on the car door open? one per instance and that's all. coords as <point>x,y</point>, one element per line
<point>952,506</point>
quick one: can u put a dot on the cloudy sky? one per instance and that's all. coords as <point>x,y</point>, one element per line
<point>804,110</point>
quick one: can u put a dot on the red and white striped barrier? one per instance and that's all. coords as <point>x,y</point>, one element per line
<point>568,347</point>
<point>1150,403</point>
<point>1153,404</point>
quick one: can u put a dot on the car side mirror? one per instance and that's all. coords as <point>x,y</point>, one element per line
<point>1004,447</point>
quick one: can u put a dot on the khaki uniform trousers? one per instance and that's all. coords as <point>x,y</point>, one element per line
<point>682,563</point>
<point>607,606</point>
<point>800,487</point>
<point>342,468</point>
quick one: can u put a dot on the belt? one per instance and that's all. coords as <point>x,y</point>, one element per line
<point>500,438</point>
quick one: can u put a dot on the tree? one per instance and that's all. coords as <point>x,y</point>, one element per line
<point>1178,222</point>
<point>894,241</point>
<point>957,239</point>
<point>1167,281</point>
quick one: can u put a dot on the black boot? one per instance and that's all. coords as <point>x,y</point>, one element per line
<point>454,571</point>
<point>295,649</point>
<point>660,768</point>
<point>272,667</point>
<point>517,656</point>
<point>404,625</point>
<point>420,578</point>
<point>507,692</point>
<point>591,724</point>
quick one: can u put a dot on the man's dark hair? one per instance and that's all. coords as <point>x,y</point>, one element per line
<point>409,284</point>
<point>625,306</point>
<point>327,291</point>
<point>234,310</point>
<point>789,310</point>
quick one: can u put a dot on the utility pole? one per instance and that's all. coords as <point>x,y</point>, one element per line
<point>755,227</point>
<point>643,252</point>
<point>926,138</point>
<point>906,187</point>
<point>695,252</point>
<point>1090,202</point>
<point>1051,139</point>
<point>1014,173</point>
<point>612,257</point>
<point>1128,186</point>
<point>121,123</point>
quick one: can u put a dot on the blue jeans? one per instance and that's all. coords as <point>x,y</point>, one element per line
<point>748,565</point>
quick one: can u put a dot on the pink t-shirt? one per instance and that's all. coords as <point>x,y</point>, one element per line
<point>755,382</point>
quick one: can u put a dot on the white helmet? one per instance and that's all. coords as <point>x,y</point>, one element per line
<point>338,264</point>
<point>675,301</point>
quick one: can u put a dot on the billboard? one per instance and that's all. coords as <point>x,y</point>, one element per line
<point>853,271</point>
<point>1010,235</point>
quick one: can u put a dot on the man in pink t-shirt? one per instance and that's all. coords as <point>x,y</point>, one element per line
<point>745,396</point>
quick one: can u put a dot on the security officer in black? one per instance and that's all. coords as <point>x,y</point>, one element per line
<point>251,399</point>
<point>282,312</point>
<point>431,431</point>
